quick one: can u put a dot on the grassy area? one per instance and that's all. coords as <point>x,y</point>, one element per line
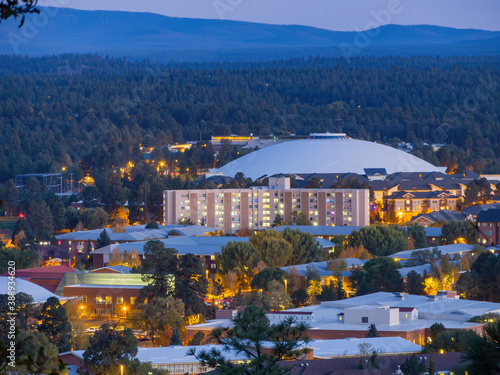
<point>7,222</point>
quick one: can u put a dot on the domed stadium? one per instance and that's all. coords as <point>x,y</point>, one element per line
<point>326,153</point>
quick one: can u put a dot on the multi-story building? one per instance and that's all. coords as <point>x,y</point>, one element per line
<point>488,227</point>
<point>229,210</point>
<point>403,205</point>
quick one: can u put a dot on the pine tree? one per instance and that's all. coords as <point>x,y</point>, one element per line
<point>372,331</point>
<point>340,289</point>
<point>176,337</point>
<point>55,324</point>
<point>431,369</point>
<point>103,239</point>
<point>197,339</point>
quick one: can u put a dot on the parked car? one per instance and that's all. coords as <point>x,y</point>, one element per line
<point>91,329</point>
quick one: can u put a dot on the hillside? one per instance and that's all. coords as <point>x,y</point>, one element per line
<point>166,38</point>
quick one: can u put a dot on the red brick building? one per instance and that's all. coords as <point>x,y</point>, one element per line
<point>488,227</point>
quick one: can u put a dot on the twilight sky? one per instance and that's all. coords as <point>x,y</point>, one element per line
<point>327,14</point>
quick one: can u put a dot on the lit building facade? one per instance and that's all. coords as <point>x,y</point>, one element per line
<point>403,205</point>
<point>230,210</point>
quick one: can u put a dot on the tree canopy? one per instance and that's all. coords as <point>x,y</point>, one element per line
<point>241,258</point>
<point>109,348</point>
<point>378,240</point>
<point>158,266</point>
<point>55,324</point>
<point>248,336</point>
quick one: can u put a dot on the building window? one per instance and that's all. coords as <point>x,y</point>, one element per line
<point>109,299</point>
<point>85,299</point>
<point>119,300</point>
<point>364,319</point>
<point>213,265</point>
<point>132,300</point>
<point>98,300</point>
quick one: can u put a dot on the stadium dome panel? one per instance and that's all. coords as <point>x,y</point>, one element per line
<point>326,153</point>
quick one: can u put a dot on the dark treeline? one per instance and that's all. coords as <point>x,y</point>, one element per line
<point>91,113</point>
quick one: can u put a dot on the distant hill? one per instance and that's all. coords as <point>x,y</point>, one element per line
<point>147,35</point>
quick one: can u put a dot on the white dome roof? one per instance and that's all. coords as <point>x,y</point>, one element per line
<point>326,156</point>
<point>39,294</point>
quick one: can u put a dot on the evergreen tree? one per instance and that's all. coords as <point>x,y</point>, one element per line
<point>264,277</point>
<point>299,298</point>
<point>41,220</point>
<point>305,247</point>
<point>483,352</point>
<point>252,328</point>
<point>431,369</point>
<point>414,283</point>
<point>241,258</point>
<point>55,324</point>
<point>197,339</point>
<point>158,267</point>
<point>328,293</point>
<point>103,239</point>
<point>34,354</point>
<point>412,366</point>
<point>435,329</point>
<point>191,285</point>
<point>341,294</point>
<point>372,331</point>
<point>152,225</point>
<point>176,337</point>
<point>110,348</point>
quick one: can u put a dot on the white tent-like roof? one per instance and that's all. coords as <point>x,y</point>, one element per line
<point>337,155</point>
<point>38,293</point>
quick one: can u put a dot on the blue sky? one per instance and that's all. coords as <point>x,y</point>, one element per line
<point>327,14</point>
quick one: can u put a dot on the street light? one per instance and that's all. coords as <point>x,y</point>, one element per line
<point>121,369</point>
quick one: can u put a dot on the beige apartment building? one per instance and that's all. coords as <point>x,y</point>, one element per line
<point>230,210</point>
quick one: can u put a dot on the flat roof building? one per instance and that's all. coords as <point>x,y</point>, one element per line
<point>395,314</point>
<point>230,210</point>
<point>53,181</point>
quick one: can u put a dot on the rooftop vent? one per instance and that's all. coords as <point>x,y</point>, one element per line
<point>400,295</point>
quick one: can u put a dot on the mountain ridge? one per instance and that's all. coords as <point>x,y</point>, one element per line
<point>66,30</point>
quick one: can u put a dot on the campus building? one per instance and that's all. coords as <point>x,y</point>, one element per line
<point>488,227</point>
<point>404,205</point>
<point>229,210</point>
<point>394,314</point>
<point>80,243</point>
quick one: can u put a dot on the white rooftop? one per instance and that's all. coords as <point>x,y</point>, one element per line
<point>183,244</point>
<point>38,293</point>
<point>137,233</point>
<point>204,245</point>
<point>171,354</point>
<point>320,230</point>
<point>351,346</point>
<point>325,156</point>
<point>452,313</point>
<point>322,269</point>
<point>458,248</point>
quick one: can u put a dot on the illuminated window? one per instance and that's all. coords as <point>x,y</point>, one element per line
<point>98,300</point>
<point>132,300</point>
<point>119,300</point>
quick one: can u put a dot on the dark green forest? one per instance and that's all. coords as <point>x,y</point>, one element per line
<point>90,114</point>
